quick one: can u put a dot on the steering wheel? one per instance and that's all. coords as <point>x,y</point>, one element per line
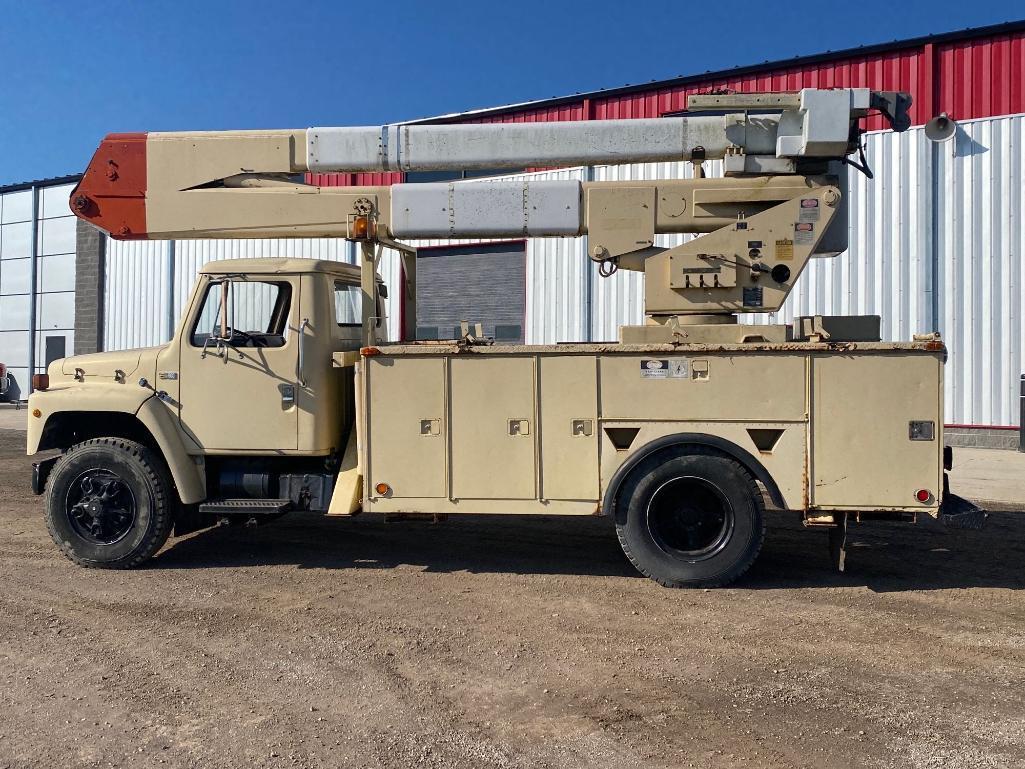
<point>245,336</point>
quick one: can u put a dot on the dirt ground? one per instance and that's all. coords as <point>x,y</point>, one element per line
<point>507,643</point>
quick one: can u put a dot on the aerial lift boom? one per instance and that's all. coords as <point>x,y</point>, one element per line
<point>780,204</point>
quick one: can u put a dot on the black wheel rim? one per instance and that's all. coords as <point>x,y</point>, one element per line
<point>101,508</point>
<point>690,518</point>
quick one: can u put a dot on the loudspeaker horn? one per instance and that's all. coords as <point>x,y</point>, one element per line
<point>940,128</point>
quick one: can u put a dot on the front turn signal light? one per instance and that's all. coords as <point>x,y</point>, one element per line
<point>40,381</point>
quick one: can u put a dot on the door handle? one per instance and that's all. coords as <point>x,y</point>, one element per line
<point>287,394</point>
<point>300,368</point>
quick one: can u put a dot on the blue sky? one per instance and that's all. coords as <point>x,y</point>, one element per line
<point>71,72</point>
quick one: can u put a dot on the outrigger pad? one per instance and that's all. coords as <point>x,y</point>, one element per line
<point>958,513</point>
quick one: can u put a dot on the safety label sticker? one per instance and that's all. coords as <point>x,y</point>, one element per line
<point>809,210</point>
<point>804,233</point>
<point>679,368</point>
<point>652,368</point>
<point>665,368</point>
<point>785,250</point>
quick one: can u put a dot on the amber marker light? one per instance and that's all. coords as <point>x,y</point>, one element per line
<point>382,488</point>
<point>362,228</point>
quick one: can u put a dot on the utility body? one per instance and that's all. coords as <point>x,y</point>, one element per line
<point>280,390</point>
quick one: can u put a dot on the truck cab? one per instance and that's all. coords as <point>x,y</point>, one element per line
<point>245,402</point>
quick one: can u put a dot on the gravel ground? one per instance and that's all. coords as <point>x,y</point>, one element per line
<point>509,643</point>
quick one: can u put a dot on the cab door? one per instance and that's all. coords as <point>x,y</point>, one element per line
<point>238,365</point>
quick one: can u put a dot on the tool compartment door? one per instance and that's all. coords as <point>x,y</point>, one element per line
<point>494,427</point>
<point>569,427</point>
<point>407,425</point>
<point>862,455</point>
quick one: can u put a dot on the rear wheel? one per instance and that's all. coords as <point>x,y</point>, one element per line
<point>110,503</point>
<point>691,518</point>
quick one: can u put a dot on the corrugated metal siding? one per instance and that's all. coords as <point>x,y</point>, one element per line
<point>982,78</point>
<point>887,270</point>
<point>558,280</point>
<point>983,279</point>
<point>136,294</point>
<point>895,71</point>
<point>140,294</point>
<point>372,179</point>
<point>541,115</point>
<point>971,78</point>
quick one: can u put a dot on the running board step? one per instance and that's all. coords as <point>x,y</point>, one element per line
<point>246,506</point>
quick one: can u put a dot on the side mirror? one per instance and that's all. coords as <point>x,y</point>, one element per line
<point>223,324</point>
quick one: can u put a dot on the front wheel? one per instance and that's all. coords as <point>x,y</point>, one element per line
<point>109,503</point>
<point>691,518</point>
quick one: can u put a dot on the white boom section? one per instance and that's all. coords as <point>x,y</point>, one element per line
<point>816,123</point>
<point>493,209</point>
<point>522,145</point>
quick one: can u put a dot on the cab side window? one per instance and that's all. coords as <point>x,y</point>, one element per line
<point>244,313</point>
<point>349,306</point>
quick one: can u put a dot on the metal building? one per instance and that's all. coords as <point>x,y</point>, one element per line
<point>936,239</point>
<point>37,280</point>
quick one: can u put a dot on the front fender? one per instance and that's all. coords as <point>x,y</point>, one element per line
<point>152,415</point>
<point>188,476</point>
<point>79,397</point>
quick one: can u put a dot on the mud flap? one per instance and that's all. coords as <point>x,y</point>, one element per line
<point>41,473</point>
<point>958,513</point>
<point>838,542</point>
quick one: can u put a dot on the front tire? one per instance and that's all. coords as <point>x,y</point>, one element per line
<point>110,503</point>
<point>691,518</point>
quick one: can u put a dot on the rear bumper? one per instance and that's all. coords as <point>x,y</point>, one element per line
<point>40,473</point>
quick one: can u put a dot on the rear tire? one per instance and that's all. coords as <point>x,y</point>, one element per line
<point>110,503</point>
<point>691,518</point>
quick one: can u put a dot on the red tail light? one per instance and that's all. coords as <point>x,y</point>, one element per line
<point>40,381</point>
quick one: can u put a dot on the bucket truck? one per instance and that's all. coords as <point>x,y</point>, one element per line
<point>280,390</point>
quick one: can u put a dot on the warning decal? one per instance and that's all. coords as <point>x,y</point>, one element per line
<point>809,210</point>
<point>652,368</point>
<point>804,233</point>
<point>679,368</point>
<point>784,250</point>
